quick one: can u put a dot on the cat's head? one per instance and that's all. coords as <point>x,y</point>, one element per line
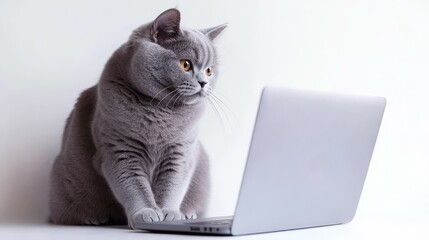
<point>174,65</point>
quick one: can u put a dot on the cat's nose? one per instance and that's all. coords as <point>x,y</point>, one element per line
<point>202,83</point>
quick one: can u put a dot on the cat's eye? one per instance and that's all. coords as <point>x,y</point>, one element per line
<point>186,65</point>
<point>209,71</point>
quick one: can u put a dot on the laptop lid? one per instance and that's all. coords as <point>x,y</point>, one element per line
<point>308,160</point>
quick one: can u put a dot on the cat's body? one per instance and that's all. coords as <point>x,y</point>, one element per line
<point>130,149</point>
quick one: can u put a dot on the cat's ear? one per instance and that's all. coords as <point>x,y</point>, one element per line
<point>213,32</point>
<point>166,25</point>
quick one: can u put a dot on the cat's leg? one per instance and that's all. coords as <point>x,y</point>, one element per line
<point>196,199</point>
<point>77,198</point>
<point>132,189</point>
<point>171,182</point>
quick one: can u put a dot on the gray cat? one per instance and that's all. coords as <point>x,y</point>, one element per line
<point>130,150</point>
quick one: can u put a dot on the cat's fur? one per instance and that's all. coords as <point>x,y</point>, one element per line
<point>130,150</point>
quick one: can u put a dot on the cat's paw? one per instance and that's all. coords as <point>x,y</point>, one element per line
<point>171,214</point>
<point>190,215</point>
<point>145,215</point>
<point>96,222</point>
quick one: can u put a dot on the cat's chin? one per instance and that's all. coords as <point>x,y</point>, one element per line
<point>196,99</point>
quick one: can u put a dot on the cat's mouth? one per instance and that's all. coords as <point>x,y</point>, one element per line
<point>202,93</point>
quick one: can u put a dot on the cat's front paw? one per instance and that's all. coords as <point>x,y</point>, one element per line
<point>171,214</point>
<point>190,215</point>
<point>145,215</point>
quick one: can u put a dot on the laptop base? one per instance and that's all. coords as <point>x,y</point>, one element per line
<point>204,226</point>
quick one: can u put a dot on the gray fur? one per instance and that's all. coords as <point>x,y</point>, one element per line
<point>130,150</point>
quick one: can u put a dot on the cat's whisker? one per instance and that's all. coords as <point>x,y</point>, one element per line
<point>171,98</point>
<point>180,96</point>
<point>166,96</point>
<point>220,91</point>
<point>224,104</point>
<point>160,92</point>
<point>221,95</point>
<point>216,112</point>
<point>221,99</point>
<point>175,96</point>
<point>221,112</point>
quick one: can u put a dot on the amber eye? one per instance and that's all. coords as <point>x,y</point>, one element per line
<point>186,65</point>
<point>209,71</point>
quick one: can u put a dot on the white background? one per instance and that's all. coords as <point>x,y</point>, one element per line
<point>52,50</point>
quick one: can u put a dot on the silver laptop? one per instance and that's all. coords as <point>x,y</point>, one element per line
<point>306,165</point>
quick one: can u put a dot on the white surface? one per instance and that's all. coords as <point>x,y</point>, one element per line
<point>52,50</point>
<point>359,229</point>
